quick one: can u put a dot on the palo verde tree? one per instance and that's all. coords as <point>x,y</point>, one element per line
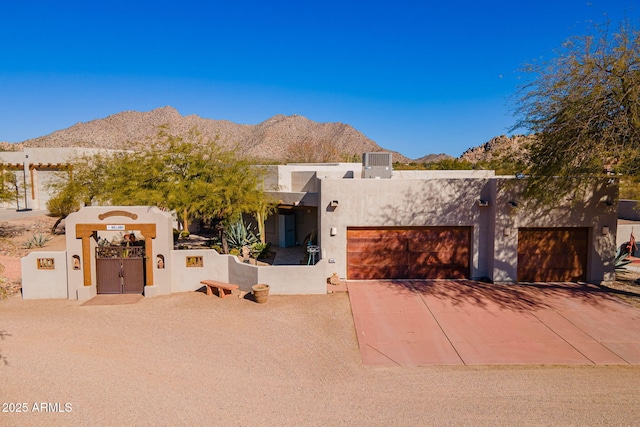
<point>190,175</point>
<point>63,204</point>
<point>583,105</point>
<point>239,189</point>
<point>8,187</point>
<point>167,175</point>
<point>80,185</point>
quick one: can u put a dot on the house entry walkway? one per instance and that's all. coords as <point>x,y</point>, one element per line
<point>462,322</point>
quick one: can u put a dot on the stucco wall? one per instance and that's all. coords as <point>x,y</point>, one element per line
<point>184,278</point>
<point>407,202</point>
<point>590,211</point>
<point>284,177</point>
<point>44,282</point>
<point>623,234</point>
<point>295,279</point>
<point>454,202</point>
<point>282,280</point>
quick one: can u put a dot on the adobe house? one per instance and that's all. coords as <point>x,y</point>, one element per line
<point>36,168</point>
<point>367,221</point>
<point>375,223</point>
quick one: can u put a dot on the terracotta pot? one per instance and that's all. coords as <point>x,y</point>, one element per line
<point>260,293</point>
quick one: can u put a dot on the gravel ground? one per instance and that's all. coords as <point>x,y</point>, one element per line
<point>189,359</point>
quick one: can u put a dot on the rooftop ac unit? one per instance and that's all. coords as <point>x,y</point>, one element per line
<point>377,165</point>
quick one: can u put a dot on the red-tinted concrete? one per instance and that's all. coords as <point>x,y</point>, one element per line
<point>452,322</point>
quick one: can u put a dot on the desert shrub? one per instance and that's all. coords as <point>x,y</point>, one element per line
<point>260,250</point>
<point>216,248</point>
<point>38,240</point>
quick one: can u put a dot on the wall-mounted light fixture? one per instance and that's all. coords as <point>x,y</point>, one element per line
<point>605,230</point>
<point>506,232</point>
<point>333,231</point>
<point>334,204</point>
<point>482,203</point>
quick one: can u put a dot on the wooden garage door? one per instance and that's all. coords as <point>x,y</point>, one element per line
<point>552,254</point>
<point>408,253</point>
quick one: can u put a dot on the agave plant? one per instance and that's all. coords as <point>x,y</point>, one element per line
<point>238,235</point>
<point>622,259</point>
<point>38,240</point>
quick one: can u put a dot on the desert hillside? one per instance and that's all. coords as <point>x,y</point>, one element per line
<point>280,138</point>
<point>515,148</point>
<point>277,139</point>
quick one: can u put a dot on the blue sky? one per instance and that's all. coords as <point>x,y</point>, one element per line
<point>418,77</point>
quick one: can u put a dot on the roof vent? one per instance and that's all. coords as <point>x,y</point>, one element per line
<point>377,165</point>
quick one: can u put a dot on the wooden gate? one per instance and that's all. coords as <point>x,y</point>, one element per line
<point>120,269</point>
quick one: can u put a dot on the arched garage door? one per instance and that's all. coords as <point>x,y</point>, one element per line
<point>552,254</point>
<point>408,253</point>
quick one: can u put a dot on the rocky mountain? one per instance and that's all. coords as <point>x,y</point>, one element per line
<point>501,147</point>
<point>432,158</point>
<point>272,140</point>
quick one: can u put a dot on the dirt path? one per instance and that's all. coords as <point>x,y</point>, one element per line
<point>189,359</point>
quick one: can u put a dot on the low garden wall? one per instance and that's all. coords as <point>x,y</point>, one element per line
<point>282,279</point>
<point>189,267</point>
<point>44,275</point>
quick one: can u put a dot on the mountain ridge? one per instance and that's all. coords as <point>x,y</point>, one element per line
<point>270,140</point>
<point>280,138</point>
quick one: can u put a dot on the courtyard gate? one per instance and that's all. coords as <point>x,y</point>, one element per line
<point>120,269</point>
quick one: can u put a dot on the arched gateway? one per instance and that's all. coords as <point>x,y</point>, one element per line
<point>117,248</point>
<point>110,249</point>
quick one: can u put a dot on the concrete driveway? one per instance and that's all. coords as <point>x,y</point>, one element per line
<point>460,322</point>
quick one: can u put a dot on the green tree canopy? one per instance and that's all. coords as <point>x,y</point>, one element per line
<point>584,107</point>
<point>9,186</point>
<point>84,182</point>
<point>193,177</point>
<point>62,205</point>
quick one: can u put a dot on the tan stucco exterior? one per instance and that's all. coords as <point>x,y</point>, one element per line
<point>326,200</point>
<point>452,198</point>
<point>37,168</point>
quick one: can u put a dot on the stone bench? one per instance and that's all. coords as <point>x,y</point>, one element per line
<point>221,286</point>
